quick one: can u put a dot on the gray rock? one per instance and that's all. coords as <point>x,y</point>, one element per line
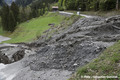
<point>71,48</point>
<point>79,44</point>
<point>18,55</point>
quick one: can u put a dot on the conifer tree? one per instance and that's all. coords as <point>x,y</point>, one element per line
<point>9,18</point>
<point>11,22</point>
<point>15,10</point>
<point>60,4</point>
<point>5,17</point>
<point>22,15</point>
<point>34,13</point>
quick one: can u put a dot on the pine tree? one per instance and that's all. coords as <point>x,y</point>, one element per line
<point>60,4</point>
<point>64,4</point>
<point>5,17</point>
<point>41,12</point>
<point>22,15</point>
<point>9,18</point>
<point>15,10</point>
<point>11,22</point>
<point>34,13</point>
<point>28,12</point>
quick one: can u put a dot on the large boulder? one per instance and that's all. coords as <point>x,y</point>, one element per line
<point>18,55</point>
<point>4,58</point>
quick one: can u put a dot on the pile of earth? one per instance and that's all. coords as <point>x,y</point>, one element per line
<point>69,49</point>
<point>77,45</point>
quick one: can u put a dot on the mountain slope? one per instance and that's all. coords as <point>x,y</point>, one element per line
<point>27,2</point>
<point>1,2</point>
<point>9,1</point>
<point>24,2</point>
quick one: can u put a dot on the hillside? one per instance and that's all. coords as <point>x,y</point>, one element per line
<point>31,29</point>
<point>58,55</point>
<point>44,43</point>
<point>16,52</point>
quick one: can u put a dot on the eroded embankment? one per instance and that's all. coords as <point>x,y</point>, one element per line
<point>60,55</point>
<point>76,46</point>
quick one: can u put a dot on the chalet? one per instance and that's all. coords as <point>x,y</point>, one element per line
<point>55,8</point>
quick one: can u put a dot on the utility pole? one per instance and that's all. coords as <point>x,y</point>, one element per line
<point>117,4</point>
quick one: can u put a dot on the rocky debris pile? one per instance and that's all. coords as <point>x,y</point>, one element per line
<point>65,57</point>
<point>76,46</point>
<point>113,19</point>
<point>43,75</point>
<point>67,50</point>
<point>107,32</point>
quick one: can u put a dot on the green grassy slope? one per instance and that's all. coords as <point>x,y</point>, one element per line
<point>29,30</point>
<point>107,64</point>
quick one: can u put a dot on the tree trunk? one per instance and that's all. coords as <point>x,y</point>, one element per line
<point>117,4</point>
